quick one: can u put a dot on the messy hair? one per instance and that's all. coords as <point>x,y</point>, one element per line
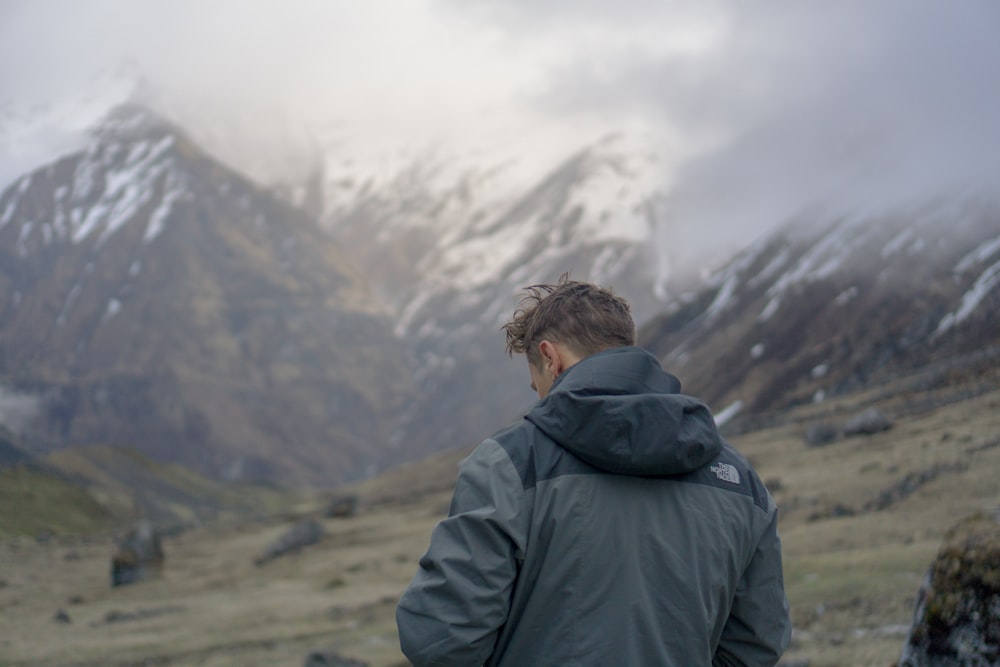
<point>584,317</point>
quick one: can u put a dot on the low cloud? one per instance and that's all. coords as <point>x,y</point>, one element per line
<point>17,410</point>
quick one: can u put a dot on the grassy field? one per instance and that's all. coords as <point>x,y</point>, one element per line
<point>852,565</point>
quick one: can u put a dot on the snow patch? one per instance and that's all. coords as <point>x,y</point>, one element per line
<point>846,296</point>
<point>771,269</point>
<point>158,217</point>
<point>22,239</point>
<point>70,300</point>
<point>114,306</point>
<point>127,188</point>
<point>819,370</point>
<point>23,186</point>
<point>724,296</point>
<point>757,351</point>
<point>769,310</point>
<point>135,268</point>
<point>8,212</point>
<point>897,242</point>
<point>987,280</point>
<point>980,254</point>
<point>728,413</point>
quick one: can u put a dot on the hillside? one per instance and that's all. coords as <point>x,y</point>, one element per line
<point>829,305</point>
<point>861,520</point>
<point>97,490</point>
<point>151,297</point>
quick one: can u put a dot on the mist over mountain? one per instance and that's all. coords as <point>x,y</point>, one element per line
<point>154,297</point>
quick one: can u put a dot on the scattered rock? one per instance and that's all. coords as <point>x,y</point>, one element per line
<point>342,507</point>
<point>906,486</point>
<point>62,617</point>
<point>818,435</point>
<point>868,422</point>
<point>302,534</point>
<point>838,510</point>
<point>140,556</point>
<point>75,599</point>
<point>115,616</point>
<point>956,621</point>
<point>331,659</point>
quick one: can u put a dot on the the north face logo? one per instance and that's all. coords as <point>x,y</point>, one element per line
<point>726,473</point>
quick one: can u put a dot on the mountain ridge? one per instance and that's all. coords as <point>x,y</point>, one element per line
<point>147,283</point>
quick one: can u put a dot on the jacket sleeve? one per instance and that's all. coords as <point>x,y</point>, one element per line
<point>460,596</point>
<point>759,628</point>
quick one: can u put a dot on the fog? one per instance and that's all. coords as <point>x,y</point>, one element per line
<point>765,108</point>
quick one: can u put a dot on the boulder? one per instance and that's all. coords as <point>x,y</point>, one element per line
<point>821,434</point>
<point>868,422</point>
<point>139,556</point>
<point>956,622</point>
<point>342,507</point>
<point>302,534</point>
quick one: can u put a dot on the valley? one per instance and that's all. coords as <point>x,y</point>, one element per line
<point>861,520</point>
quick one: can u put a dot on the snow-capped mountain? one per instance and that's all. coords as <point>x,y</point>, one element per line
<point>150,296</point>
<point>831,304</point>
<point>449,245</point>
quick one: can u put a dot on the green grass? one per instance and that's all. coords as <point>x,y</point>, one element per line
<point>33,502</point>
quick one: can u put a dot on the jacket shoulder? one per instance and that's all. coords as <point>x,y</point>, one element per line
<point>535,456</point>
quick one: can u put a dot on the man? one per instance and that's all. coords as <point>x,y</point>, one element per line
<point>613,526</point>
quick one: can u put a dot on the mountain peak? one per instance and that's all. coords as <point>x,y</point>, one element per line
<point>131,121</point>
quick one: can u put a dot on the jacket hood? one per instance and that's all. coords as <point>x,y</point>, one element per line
<point>619,411</point>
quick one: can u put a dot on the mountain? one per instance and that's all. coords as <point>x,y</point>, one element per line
<point>152,297</point>
<point>829,304</point>
<point>450,243</point>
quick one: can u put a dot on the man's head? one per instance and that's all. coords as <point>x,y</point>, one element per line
<point>557,325</point>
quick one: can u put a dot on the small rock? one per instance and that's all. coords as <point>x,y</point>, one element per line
<point>818,435</point>
<point>140,556</point>
<point>868,422</point>
<point>302,534</point>
<point>62,617</point>
<point>331,659</point>
<point>342,507</point>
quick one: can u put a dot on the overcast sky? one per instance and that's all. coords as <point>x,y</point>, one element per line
<point>769,106</point>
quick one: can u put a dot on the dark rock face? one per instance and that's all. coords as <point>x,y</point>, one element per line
<point>957,618</point>
<point>302,534</point>
<point>866,423</point>
<point>140,556</point>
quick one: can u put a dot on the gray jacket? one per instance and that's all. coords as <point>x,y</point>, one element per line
<point>613,526</point>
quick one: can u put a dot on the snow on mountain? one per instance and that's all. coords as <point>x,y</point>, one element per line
<point>33,133</point>
<point>831,303</point>
<point>450,244</point>
<point>152,297</point>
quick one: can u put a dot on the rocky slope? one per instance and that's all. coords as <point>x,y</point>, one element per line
<point>827,305</point>
<point>152,297</point>
<point>449,247</point>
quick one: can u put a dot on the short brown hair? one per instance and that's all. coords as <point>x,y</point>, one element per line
<point>584,317</point>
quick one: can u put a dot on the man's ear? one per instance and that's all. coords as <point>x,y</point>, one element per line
<point>551,358</point>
